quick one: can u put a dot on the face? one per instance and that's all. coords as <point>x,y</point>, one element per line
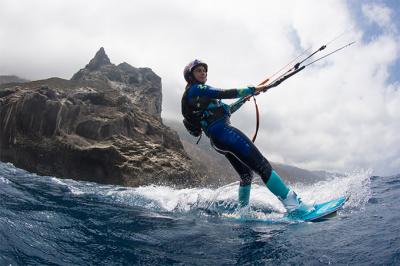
<point>200,74</point>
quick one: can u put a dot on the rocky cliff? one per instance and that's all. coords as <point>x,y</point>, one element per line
<point>103,125</point>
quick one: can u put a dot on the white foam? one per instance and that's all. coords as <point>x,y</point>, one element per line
<point>172,199</point>
<point>355,185</point>
<point>4,180</point>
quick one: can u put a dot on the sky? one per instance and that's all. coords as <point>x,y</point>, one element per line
<point>340,114</point>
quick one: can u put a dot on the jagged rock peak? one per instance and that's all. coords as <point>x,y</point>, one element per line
<point>100,59</point>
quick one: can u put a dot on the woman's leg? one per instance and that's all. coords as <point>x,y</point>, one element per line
<point>232,140</point>
<point>246,176</point>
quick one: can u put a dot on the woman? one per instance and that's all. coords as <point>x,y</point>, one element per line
<point>205,112</point>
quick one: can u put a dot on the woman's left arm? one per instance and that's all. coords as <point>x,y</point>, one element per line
<point>208,91</point>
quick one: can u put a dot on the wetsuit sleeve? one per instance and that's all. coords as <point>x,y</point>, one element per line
<point>210,92</point>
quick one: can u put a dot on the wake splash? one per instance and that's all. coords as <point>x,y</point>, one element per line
<point>203,201</point>
<point>223,200</point>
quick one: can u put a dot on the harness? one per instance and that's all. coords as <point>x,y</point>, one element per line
<point>200,112</point>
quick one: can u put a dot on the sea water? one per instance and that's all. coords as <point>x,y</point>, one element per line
<point>52,221</point>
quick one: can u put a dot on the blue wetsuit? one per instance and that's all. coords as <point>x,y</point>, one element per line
<point>204,111</point>
<point>226,139</point>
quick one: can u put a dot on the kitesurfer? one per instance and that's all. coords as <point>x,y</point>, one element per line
<point>204,111</point>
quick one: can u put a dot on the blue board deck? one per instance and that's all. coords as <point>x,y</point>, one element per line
<point>321,212</point>
<point>324,210</point>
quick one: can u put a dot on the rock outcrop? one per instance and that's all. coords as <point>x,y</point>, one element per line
<point>103,125</point>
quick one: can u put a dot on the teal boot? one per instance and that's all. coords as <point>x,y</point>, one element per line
<point>293,204</point>
<point>295,207</point>
<point>244,195</point>
<point>277,186</point>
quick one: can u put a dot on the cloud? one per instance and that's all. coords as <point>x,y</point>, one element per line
<point>339,114</point>
<point>379,14</point>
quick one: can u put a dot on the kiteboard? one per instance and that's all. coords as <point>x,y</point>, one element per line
<point>319,212</point>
